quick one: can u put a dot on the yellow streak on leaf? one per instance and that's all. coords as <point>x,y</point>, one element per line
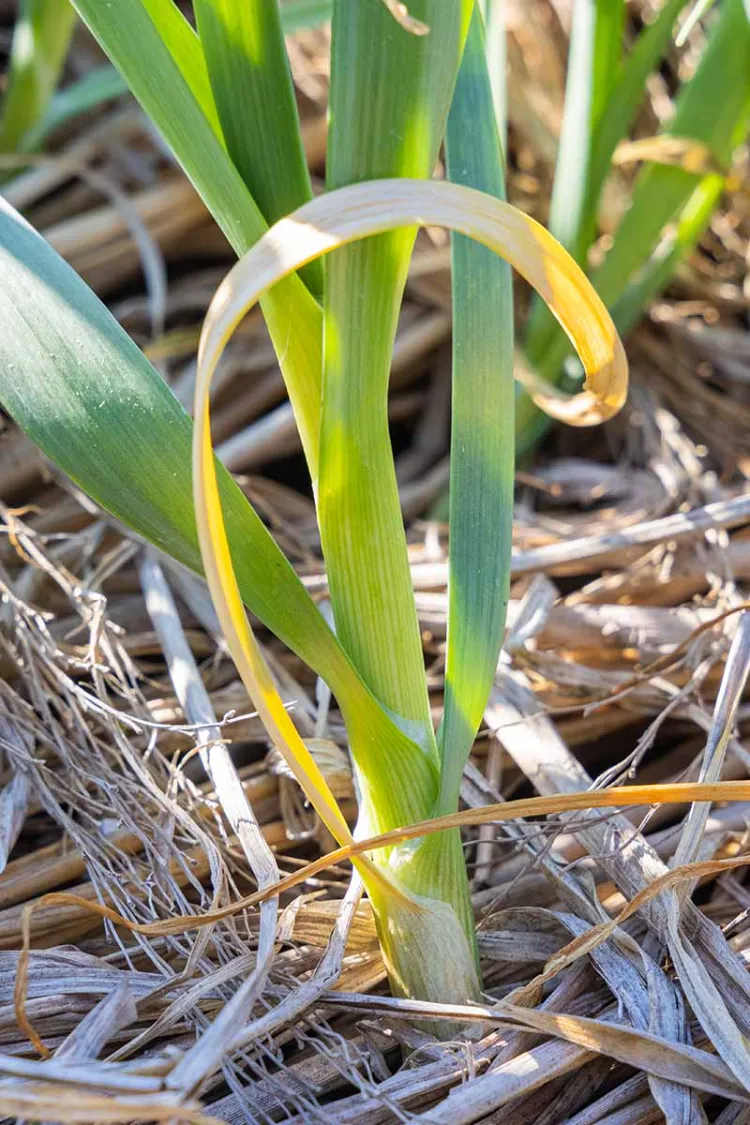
<point>245,650</point>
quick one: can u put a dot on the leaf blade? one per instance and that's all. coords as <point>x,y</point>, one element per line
<point>134,42</point>
<point>593,64</point>
<point>41,37</point>
<point>83,391</point>
<point>97,86</point>
<point>595,51</point>
<point>252,85</point>
<point>388,106</point>
<point>482,430</point>
<point>712,109</point>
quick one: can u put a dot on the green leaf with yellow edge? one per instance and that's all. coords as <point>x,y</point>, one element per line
<point>482,430</point>
<point>248,658</point>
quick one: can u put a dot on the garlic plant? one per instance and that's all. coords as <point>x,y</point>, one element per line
<point>222,97</point>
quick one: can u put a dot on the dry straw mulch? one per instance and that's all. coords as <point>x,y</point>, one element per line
<point>135,777</point>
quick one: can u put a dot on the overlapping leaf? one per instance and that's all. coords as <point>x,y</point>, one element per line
<point>162,60</point>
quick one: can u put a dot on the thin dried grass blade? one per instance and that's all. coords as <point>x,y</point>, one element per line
<point>628,796</point>
<point>733,683</point>
<point>720,1003</point>
<point>76,1106</point>
<point>14,807</point>
<point>682,152</point>
<point>672,1062</point>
